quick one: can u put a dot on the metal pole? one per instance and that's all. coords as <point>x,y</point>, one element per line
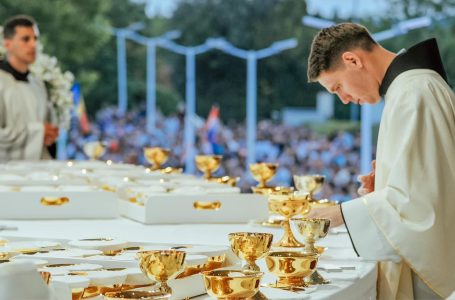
<point>121,71</point>
<point>251,108</point>
<point>151,86</point>
<point>190,111</point>
<point>366,150</point>
<point>61,144</point>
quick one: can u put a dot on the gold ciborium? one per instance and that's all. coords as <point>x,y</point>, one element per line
<point>161,265</point>
<point>94,150</point>
<point>250,246</point>
<point>291,268</point>
<point>313,229</point>
<point>208,164</point>
<point>156,156</point>
<point>288,206</point>
<point>137,295</point>
<point>232,284</point>
<point>263,172</point>
<point>310,184</point>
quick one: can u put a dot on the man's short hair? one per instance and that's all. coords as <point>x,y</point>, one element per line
<point>9,27</point>
<point>330,43</point>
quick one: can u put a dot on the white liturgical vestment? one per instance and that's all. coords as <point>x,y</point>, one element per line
<point>413,205</point>
<point>23,110</point>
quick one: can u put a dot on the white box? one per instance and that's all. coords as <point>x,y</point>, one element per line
<point>190,209</point>
<point>67,205</point>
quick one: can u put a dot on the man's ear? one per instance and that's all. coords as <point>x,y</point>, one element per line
<point>350,59</point>
<point>6,43</point>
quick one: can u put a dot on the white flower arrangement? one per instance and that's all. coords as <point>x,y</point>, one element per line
<point>58,83</point>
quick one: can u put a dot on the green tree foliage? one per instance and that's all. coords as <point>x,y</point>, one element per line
<point>252,24</point>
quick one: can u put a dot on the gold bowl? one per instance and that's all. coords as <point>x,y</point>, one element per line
<point>310,184</point>
<point>291,268</point>
<point>263,172</point>
<point>208,164</point>
<point>156,156</point>
<point>288,206</point>
<point>250,246</point>
<point>94,150</point>
<point>232,284</point>
<point>161,265</point>
<point>137,295</point>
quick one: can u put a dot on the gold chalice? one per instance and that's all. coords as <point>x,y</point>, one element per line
<point>161,265</point>
<point>310,184</point>
<point>313,229</point>
<point>232,284</point>
<point>263,172</point>
<point>250,246</point>
<point>291,268</point>
<point>288,206</point>
<point>208,164</point>
<point>137,295</point>
<point>94,150</point>
<point>156,156</point>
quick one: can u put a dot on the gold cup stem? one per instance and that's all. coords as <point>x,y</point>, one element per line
<point>309,246</point>
<point>251,265</point>
<point>208,174</point>
<point>288,240</point>
<point>164,287</point>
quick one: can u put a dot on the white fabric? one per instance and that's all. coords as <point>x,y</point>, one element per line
<point>23,110</point>
<point>339,250</point>
<point>412,204</point>
<point>21,280</point>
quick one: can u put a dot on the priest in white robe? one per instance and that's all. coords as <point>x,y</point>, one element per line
<point>406,221</point>
<point>25,112</point>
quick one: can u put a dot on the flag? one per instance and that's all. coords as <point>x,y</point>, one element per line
<point>81,111</point>
<point>213,126</point>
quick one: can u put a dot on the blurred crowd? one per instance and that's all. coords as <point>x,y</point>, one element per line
<point>298,150</point>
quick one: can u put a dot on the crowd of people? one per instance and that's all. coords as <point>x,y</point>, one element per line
<point>297,150</point>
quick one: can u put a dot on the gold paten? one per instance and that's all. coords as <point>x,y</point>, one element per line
<point>250,246</point>
<point>161,265</point>
<point>94,150</point>
<point>137,295</point>
<point>232,284</point>
<point>54,201</point>
<point>291,268</point>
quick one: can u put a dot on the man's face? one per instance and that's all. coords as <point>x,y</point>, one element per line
<point>23,45</point>
<point>352,83</point>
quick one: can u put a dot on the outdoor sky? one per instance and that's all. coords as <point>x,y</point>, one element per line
<point>326,8</point>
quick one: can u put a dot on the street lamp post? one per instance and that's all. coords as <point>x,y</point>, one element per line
<point>252,56</point>
<point>151,44</point>
<point>190,54</point>
<point>122,34</point>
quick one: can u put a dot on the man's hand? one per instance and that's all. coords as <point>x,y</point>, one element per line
<point>367,181</point>
<point>50,134</point>
<point>332,212</point>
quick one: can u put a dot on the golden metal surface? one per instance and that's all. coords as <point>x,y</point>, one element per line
<point>313,229</point>
<point>46,276</point>
<point>232,284</point>
<point>231,181</point>
<point>309,183</point>
<point>208,164</point>
<point>250,246</point>
<point>288,206</point>
<point>137,295</point>
<point>94,150</point>
<point>54,201</point>
<point>213,262</point>
<point>263,172</point>
<point>156,156</point>
<point>207,205</point>
<point>161,265</point>
<point>291,267</point>
<point>3,242</point>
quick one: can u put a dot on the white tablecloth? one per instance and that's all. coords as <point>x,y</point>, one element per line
<point>354,284</point>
